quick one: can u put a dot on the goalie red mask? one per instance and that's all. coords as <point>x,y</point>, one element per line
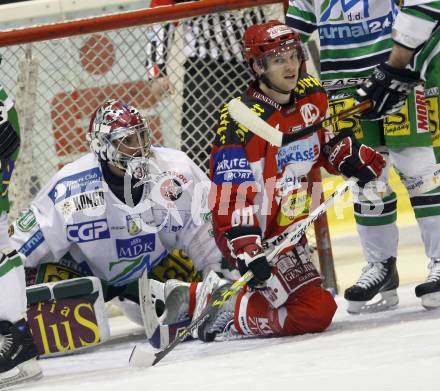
<point>119,135</point>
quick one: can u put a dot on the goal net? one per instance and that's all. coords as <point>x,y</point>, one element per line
<point>60,73</point>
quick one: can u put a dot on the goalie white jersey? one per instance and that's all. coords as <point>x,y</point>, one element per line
<point>76,212</point>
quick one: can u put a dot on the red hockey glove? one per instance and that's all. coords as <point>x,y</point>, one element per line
<point>246,248</point>
<point>353,159</point>
<point>388,88</point>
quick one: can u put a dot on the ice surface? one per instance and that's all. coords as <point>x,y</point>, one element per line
<point>395,350</point>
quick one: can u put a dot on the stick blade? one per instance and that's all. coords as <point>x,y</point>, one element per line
<point>141,357</point>
<point>245,116</point>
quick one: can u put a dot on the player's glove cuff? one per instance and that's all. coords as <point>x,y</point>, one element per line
<point>246,248</point>
<point>388,88</point>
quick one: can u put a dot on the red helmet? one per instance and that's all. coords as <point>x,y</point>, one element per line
<point>110,127</point>
<point>261,39</point>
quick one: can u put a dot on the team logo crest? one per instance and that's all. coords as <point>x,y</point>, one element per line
<point>67,208</point>
<point>134,224</point>
<point>310,113</point>
<point>171,189</point>
<point>26,220</point>
<point>277,31</point>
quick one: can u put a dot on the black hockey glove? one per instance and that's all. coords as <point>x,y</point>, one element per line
<point>353,159</point>
<point>245,246</point>
<point>9,140</point>
<point>388,88</point>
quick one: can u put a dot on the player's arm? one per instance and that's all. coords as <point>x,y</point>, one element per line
<point>39,233</point>
<point>233,192</point>
<point>9,132</point>
<point>28,239</point>
<point>400,57</point>
<point>413,27</point>
<point>302,18</point>
<point>391,82</point>
<point>340,154</point>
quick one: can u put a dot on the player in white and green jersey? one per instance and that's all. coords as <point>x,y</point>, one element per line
<point>424,19</point>
<point>17,350</point>
<point>9,143</point>
<point>356,37</point>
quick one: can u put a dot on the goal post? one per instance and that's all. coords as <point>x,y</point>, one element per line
<point>60,73</point>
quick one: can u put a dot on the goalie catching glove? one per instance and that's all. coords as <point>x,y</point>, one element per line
<point>246,248</point>
<point>352,159</point>
<point>388,88</point>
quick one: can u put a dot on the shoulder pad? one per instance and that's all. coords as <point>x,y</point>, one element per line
<point>261,108</point>
<point>306,85</point>
<point>228,131</point>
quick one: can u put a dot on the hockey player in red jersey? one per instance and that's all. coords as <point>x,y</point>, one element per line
<point>259,191</point>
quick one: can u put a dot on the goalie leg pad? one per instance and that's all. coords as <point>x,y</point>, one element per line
<point>165,308</point>
<point>131,310</point>
<point>163,335</point>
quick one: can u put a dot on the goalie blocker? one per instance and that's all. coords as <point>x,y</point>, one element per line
<point>67,316</point>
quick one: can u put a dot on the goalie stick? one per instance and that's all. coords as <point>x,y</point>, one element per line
<point>245,116</point>
<point>144,358</point>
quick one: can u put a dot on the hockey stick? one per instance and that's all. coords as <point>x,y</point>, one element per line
<point>143,358</point>
<point>304,225</point>
<point>244,115</point>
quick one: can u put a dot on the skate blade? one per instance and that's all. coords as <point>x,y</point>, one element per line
<point>24,372</point>
<point>431,301</point>
<point>387,300</point>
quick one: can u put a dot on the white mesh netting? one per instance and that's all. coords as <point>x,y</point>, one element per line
<point>58,83</point>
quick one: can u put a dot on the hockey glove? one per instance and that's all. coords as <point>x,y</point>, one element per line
<point>353,159</point>
<point>245,246</point>
<point>9,140</point>
<point>388,88</point>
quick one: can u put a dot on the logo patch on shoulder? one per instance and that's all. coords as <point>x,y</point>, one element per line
<point>310,113</point>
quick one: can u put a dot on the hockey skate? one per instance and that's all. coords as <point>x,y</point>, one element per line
<point>220,321</point>
<point>18,362</point>
<point>204,294</point>
<point>378,277</point>
<point>429,291</point>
